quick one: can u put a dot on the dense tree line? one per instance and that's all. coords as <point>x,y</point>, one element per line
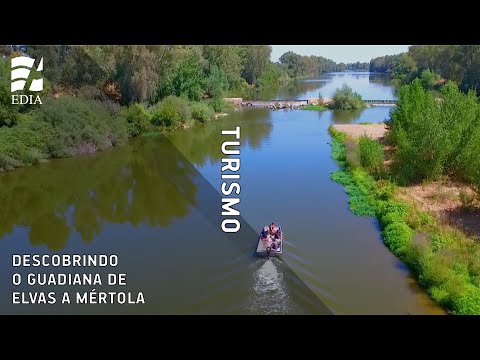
<point>459,63</point>
<point>311,66</point>
<point>384,63</point>
<point>98,96</point>
<point>141,73</point>
<point>355,66</point>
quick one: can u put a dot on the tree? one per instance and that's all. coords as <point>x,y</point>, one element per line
<point>346,99</point>
<point>55,58</point>
<point>188,79</point>
<point>429,79</point>
<point>404,68</point>
<point>137,74</point>
<point>8,112</point>
<point>228,59</point>
<point>292,63</point>
<point>257,58</point>
<point>216,83</point>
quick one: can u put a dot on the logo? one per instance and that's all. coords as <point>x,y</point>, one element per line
<point>21,68</point>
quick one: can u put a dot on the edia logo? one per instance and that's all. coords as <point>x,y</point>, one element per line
<point>21,69</point>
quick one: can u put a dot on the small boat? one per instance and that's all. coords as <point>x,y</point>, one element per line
<point>271,246</point>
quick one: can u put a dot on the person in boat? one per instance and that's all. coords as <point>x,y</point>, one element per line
<point>265,233</point>
<point>275,233</point>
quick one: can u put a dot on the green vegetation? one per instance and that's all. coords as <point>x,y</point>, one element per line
<point>436,137</point>
<point>302,66</point>
<point>58,128</point>
<point>346,99</point>
<point>314,107</point>
<point>371,156</point>
<point>99,96</point>
<point>458,63</point>
<point>444,260</point>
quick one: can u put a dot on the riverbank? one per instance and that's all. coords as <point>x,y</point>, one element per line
<point>68,126</point>
<point>444,260</point>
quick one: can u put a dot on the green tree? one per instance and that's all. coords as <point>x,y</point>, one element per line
<point>188,80</point>
<point>257,58</point>
<point>8,113</point>
<point>404,68</point>
<point>346,99</point>
<point>291,62</point>
<point>275,75</point>
<point>137,74</point>
<point>216,83</point>
<point>55,58</point>
<point>435,137</point>
<point>429,79</point>
<point>228,58</point>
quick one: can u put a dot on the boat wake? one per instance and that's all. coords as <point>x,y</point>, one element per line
<point>269,294</point>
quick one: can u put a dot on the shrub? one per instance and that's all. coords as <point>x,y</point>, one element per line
<point>170,112</point>
<point>468,302</point>
<point>342,177</point>
<point>395,206</point>
<point>137,118</point>
<point>371,156</point>
<point>390,218</point>
<point>217,104</point>
<point>24,143</point>
<point>398,236</point>
<point>76,121</point>
<point>202,112</point>
<point>32,156</point>
<point>416,219</point>
<point>384,189</point>
<point>346,99</point>
<point>8,163</point>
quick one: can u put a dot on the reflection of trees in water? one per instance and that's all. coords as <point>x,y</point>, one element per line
<point>384,80</point>
<point>379,79</point>
<point>95,190</point>
<point>147,182</point>
<point>289,91</point>
<point>203,143</point>
<point>346,116</point>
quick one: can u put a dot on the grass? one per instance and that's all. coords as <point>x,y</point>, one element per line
<point>314,107</point>
<point>444,260</point>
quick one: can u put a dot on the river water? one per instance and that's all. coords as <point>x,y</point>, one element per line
<point>155,203</point>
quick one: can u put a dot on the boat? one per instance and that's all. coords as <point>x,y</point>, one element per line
<point>265,248</point>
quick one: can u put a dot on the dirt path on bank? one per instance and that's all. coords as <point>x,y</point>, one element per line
<point>373,131</point>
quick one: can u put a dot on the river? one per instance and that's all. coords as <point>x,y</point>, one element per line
<point>155,203</point>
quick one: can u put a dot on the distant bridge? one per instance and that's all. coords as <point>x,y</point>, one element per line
<point>293,104</point>
<point>278,104</point>
<point>381,102</point>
